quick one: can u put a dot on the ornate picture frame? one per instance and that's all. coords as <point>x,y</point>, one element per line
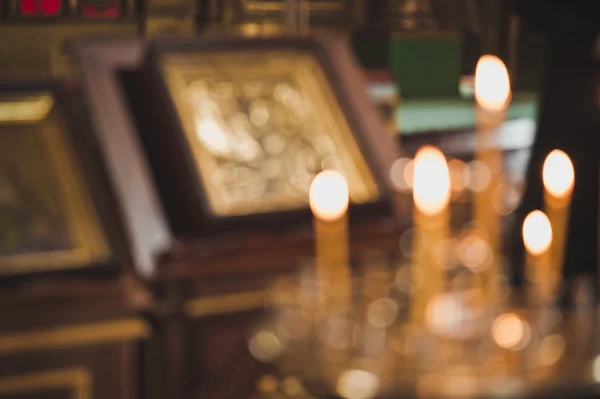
<point>50,222</point>
<point>199,103</point>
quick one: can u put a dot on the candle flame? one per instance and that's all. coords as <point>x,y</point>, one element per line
<point>492,84</point>
<point>537,233</point>
<point>558,174</point>
<point>431,184</point>
<point>329,195</point>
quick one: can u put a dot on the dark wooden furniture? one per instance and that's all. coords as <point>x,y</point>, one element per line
<point>75,329</point>
<point>74,348</point>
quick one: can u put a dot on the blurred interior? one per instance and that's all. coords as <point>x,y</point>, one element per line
<point>157,235</point>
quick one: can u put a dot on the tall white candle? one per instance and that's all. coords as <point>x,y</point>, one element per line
<point>431,194</point>
<point>559,179</point>
<point>493,94</point>
<point>537,237</point>
<point>329,204</point>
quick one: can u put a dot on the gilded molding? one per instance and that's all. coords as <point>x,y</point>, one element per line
<point>73,336</point>
<point>78,380</point>
<point>230,303</point>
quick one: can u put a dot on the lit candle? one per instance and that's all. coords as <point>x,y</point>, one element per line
<point>329,204</point>
<point>431,194</point>
<point>493,94</point>
<point>537,237</point>
<point>559,178</point>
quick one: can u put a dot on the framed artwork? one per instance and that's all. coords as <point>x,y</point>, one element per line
<point>261,125</point>
<point>47,221</point>
<point>237,129</point>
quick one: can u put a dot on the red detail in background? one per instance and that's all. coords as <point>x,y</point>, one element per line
<point>40,8</point>
<point>101,8</point>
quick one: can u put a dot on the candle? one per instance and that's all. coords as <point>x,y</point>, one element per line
<point>559,178</point>
<point>492,93</point>
<point>431,194</point>
<point>537,237</point>
<point>328,198</point>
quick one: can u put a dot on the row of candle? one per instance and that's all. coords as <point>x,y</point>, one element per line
<point>543,233</point>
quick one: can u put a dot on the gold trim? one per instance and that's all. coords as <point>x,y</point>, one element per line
<point>89,244</point>
<point>73,336</point>
<point>78,380</point>
<point>31,108</point>
<point>229,303</point>
<point>271,6</point>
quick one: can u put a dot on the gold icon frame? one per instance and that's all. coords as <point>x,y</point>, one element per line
<point>38,111</point>
<point>303,68</point>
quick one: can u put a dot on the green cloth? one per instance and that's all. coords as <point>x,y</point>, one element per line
<point>427,66</point>
<point>428,114</point>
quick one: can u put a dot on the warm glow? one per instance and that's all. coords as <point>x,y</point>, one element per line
<point>558,174</point>
<point>329,195</point>
<point>357,384</point>
<point>510,332</point>
<point>460,174</point>
<point>213,137</point>
<point>492,84</point>
<point>475,253</point>
<point>444,315</point>
<point>382,312</point>
<point>537,233</point>
<point>431,184</point>
<point>401,174</point>
<point>551,350</point>
<point>479,176</point>
<point>265,346</point>
<point>596,369</point>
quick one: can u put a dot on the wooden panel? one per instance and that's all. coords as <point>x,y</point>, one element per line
<point>39,51</point>
<point>77,361</point>
<point>333,13</point>
<point>224,366</point>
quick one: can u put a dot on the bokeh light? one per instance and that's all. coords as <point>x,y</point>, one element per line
<point>479,176</point>
<point>460,175</point>
<point>558,174</point>
<point>358,384</point>
<point>382,312</point>
<point>552,349</point>
<point>511,332</point>
<point>329,195</point>
<point>444,315</point>
<point>265,345</point>
<point>401,174</point>
<point>537,233</point>
<point>431,184</point>
<point>492,84</point>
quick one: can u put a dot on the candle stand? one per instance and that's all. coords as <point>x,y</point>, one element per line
<point>470,342</point>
